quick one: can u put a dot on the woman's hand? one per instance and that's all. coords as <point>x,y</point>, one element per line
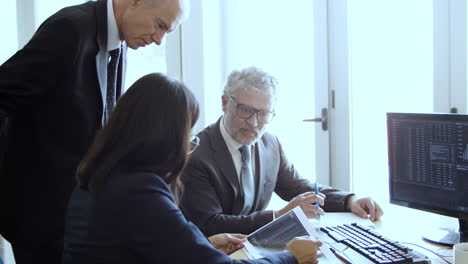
<point>228,243</point>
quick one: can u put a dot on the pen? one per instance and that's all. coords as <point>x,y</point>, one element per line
<point>316,192</point>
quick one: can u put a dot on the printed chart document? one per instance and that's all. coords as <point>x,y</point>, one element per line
<point>274,236</point>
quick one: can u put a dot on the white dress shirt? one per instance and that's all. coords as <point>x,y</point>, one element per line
<point>233,147</point>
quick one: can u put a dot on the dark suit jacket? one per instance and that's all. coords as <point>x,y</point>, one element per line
<point>133,219</point>
<point>212,197</point>
<point>52,91</point>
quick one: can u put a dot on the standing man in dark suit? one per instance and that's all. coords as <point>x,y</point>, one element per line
<point>219,198</point>
<point>55,94</point>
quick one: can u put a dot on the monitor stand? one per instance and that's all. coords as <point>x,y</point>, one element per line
<point>447,236</point>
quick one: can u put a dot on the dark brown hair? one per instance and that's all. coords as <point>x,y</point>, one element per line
<point>149,130</point>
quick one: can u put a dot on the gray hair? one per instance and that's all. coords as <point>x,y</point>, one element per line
<point>250,79</point>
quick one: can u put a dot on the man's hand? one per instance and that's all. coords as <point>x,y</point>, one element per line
<point>228,243</point>
<point>307,203</point>
<point>304,249</point>
<point>365,207</point>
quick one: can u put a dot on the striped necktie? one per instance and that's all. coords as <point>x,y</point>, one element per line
<point>112,68</point>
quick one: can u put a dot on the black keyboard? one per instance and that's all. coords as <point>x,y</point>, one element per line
<point>358,244</point>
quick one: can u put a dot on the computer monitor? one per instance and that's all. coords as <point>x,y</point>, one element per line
<point>428,165</point>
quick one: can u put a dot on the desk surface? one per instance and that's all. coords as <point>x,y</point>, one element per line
<point>406,226</point>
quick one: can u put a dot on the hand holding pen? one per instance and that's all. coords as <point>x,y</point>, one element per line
<point>310,202</point>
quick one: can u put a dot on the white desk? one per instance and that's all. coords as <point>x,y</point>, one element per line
<point>406,226</point>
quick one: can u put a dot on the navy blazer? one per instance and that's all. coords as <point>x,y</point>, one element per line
<point>52,91</point>
<point>213,200</point>
<point>133,219</point>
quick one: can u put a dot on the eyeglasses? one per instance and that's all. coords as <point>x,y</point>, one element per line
<point>246,112</point>
<point>194,143</point>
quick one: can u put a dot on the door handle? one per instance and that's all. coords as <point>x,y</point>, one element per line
<point>323,119</point>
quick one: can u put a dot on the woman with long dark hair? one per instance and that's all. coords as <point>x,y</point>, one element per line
<point>124,209</point>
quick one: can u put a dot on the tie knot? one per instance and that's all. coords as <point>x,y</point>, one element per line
<point>245,152</point>
<point>114,54</point>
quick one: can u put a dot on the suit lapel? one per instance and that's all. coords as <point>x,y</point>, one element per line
<point>223,160</point>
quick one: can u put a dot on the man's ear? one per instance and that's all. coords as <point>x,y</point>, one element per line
<point>224,101</point>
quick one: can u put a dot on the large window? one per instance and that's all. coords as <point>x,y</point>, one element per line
<point>276,37</point>
<point>145,60</point>
<point>9,31</point>
<point>391,70</point>
<point>45,8</point>
<point>281,42</point>
<point>394,56</point>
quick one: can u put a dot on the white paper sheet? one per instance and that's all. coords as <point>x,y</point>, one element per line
<point>273,237</point>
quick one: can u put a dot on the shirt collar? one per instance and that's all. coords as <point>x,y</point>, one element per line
<point>232,144</point>
<point>113,39</point>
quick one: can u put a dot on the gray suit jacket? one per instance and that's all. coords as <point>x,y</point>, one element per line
<point>212,197</point>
